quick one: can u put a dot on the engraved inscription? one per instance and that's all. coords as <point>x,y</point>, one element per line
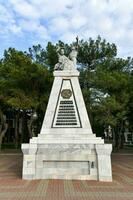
<point>66,114</point>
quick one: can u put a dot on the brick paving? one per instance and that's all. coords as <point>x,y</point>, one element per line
<point>12,187</point>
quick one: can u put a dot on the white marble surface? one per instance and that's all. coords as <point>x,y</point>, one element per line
<point>104,162</point>
<point>67,153</point>
<point>66,73</point>
<point>53,101</point>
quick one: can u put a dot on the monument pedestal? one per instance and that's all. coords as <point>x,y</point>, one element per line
<point>66,148</point>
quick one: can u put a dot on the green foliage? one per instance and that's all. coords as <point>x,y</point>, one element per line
<point>95,50</point>
<point>51,56</point>
<point>130,102</point>
<point>23,84</point>
<point>105,83</point>
<point>37,54</point>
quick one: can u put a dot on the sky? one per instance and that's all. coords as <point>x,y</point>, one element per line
<point>24,23</point>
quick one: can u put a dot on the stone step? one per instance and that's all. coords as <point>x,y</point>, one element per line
<point>67,141</point>
<point>66,138</point>
<point>74,136</point>
<point>66,131</point>
<point>67,177</point>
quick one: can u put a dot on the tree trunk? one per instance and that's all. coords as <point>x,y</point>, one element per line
<point>16,130</point>
<point>30,124</point>
<point>3,127</point>
<point>114,138</point>
<point>121,135</point>
<point>25,132</point>
<point>122,140</point>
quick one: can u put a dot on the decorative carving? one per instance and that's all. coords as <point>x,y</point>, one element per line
<point>64,62</point>
<point>66,94</point>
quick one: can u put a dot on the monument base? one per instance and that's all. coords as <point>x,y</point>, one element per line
<point>72,159</point>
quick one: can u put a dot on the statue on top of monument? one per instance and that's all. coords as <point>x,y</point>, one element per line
<point>62,59</point>
<point>64,62</point>
<point>74,52</point>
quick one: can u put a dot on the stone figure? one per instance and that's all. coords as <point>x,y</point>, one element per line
<point>64,62</point>
<point>62,59</point>
<point>73,55</point>
<point>74,52</point>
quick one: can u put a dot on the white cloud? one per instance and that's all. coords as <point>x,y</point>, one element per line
<point>68,37</point>
<point>44,20</point>
<point>24,9</point>
<point>78,21</point>
<point>58,25</point>
<point>15,29</point>
<point>5,15</point>
<point>35,9</point>
<point>35,27</point>
<point>7,22</point>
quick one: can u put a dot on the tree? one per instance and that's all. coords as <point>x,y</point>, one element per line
<point>24,85</point>
<point>103,77</point>
<point>37,54</point>
<point>106,82</point>
<point>130,102</point>
<point>93,51</point>
<point>3,126</point>
<point>51,56</point>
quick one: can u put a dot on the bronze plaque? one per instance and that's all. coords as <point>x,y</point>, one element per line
<point>66,93</point>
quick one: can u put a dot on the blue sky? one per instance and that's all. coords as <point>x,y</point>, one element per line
<point>24,23</point>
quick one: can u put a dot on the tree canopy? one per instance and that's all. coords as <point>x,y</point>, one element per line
<point>106,81</point>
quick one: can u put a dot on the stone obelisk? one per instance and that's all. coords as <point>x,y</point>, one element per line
<point>66,147</point>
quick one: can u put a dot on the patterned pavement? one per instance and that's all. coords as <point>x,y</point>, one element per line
<point>12,187</point>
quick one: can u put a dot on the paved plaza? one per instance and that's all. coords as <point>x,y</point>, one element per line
<point>12,187</point>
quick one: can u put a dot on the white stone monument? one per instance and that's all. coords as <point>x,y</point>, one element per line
<point>66,148</point>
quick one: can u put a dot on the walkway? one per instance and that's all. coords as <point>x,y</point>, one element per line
<point>12,187</point>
